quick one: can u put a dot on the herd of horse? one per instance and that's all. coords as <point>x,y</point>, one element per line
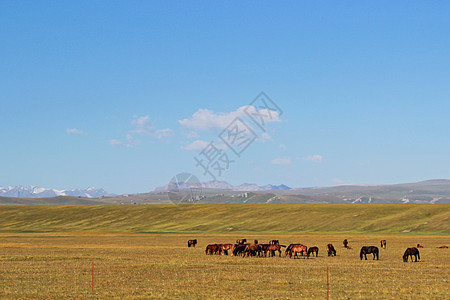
<point>245,249</point>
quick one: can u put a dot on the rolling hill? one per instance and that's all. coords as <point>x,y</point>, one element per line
<point>229,218</point>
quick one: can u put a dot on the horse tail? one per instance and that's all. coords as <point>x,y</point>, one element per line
<point>361,253</point>
<point>418,255</point>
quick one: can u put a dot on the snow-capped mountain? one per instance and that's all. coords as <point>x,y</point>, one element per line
<point>223,185</point>
<point>40,192</point>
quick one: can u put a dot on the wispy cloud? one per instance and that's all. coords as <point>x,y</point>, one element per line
<point>199,145</point>
<point>131,142</point>
<point>205,119</point>
<point>314,158</point>
<point>75,131</point>
<point>141,126</point>
<point>144,126</point>
<point>281,161</point>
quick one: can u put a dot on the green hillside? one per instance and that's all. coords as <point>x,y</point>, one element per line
<point>229,218</point>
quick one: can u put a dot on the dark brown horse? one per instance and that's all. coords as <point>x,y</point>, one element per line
<point>192,243</point>
<point>313,250</point>
<point>241,241</point>
<point>410,252</point>
<point>330,250</point>
<point>238,249</point>
<point>298,249</point>
<point>367,250</point>
<point>345,242</point>
<point>252,250</point>
<point>383,244</point>
<point>212,249</point>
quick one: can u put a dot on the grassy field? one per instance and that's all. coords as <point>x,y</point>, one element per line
<point>59,265</point>
<point>140,251</point>
<point>225,218</point>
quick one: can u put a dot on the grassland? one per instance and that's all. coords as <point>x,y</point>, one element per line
<point>55,266</point>
<point>252,218</point>
<point>46,252</point>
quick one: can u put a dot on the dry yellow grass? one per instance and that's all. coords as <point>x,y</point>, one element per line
<point>58,265</point>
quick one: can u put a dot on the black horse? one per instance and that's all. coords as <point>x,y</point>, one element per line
<point>367,250</point>
<point>410,252</point>
<point>313,250</point>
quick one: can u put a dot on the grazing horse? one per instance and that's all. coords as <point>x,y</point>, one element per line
<point>367,250</point>
<point>419,246</point>
<point>298,249</point>
<point>274,242</point>
<point>383,244</point>
<point>223,248</point>
<point>212,249</point>
<point>252,250</point>
<point>192,243</point>
<point>272,248</point>
<point>313,250</point>
<point>238,249</point>
<point>242,241</point>
<point>288,249</point>
<point>345,242</point>
<point>410,252</point>
<point>330,250</point>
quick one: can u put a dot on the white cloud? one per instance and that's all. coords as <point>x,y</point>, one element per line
<point>131,142</point>
<point>266,136</point>
<point>199,145</point>
<point>75,131</point>
<point>314,158</point>
<point>144,126</point>
<point>281,161</point>
<point>192,134</point>
<point>205,119</point>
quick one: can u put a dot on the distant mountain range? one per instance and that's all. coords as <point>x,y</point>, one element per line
<point>223,185</point>
<point>40,192</point>
<point>430,191</point>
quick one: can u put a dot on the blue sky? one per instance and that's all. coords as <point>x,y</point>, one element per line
<point>124,94</point>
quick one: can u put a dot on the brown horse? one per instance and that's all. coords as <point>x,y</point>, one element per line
<point>367,250</point>
<point>238,249</point>
<point>410,252</point>
<point>313,250</point>
<point>192,243</point>
<point>223,248</point>
<point>298,249</point>
<point>212,249</point>
<point>383,244</point>
<point>252,250</point>
<point>442,247</point>
<point>345,242</point>
<point>288,249</point>
<point>419,246</point>
<point>241,241</point>
<point>330,250</point>
<point>272,248</point>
